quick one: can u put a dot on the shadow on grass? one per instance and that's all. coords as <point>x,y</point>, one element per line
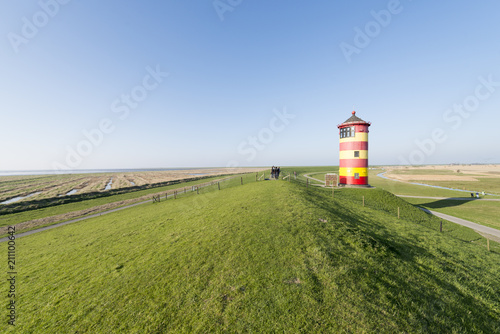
<point>444,203</point>
<point>354,223</point>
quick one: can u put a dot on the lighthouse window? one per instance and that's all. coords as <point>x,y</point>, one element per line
<point>347,132</point>
<point>356,154</point>
<point>356,176</point>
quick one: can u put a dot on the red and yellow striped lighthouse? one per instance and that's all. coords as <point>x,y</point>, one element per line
<point>354,151</point>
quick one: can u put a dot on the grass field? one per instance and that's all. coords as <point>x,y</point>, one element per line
<point>404,188</point>
<point>15,218</point>
<point>399,188</point>
<point>472,178</point>
<point>480,212</point>
<point>425,172</point>
<point>488,185</point>
<point>267,257</point>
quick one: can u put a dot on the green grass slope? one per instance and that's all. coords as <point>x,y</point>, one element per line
<point>265,257</point>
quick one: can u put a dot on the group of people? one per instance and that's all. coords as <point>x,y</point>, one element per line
<point>275,172</point>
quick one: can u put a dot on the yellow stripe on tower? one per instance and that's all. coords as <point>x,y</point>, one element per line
<point>363,172</point>
<point>363,154</point>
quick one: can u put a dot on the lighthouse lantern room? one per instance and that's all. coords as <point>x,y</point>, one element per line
<point>353,169</point>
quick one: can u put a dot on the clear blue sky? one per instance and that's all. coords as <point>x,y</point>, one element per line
<point>409,67</point>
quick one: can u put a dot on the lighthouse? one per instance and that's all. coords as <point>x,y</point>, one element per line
<point>353,153</point>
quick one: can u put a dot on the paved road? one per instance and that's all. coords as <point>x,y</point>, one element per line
<point>454,198</point>
<point>485,230</point>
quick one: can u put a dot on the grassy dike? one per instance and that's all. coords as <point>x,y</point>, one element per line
<point>263,257</point>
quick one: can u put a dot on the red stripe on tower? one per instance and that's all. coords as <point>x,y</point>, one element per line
<point>351,180</point>
<point>354,145</point>
<point>354,163</point>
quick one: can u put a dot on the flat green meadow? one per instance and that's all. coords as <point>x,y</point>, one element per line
<point>263,257</point>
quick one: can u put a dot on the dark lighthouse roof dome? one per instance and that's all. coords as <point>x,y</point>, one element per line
<point>354,120</point>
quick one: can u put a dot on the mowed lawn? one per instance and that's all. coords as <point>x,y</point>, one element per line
<point>480,212</point>
<point>264,257</point>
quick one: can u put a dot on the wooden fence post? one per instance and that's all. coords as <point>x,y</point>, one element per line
<point>197,190</point>
<point>175,194</point>
<point>256,175</point>
<point>218,185</point>
<point>242,180</point>
<point>398,212</point>
<point>363,201</point>
<point>441,226</point>
<point>488,242</point>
